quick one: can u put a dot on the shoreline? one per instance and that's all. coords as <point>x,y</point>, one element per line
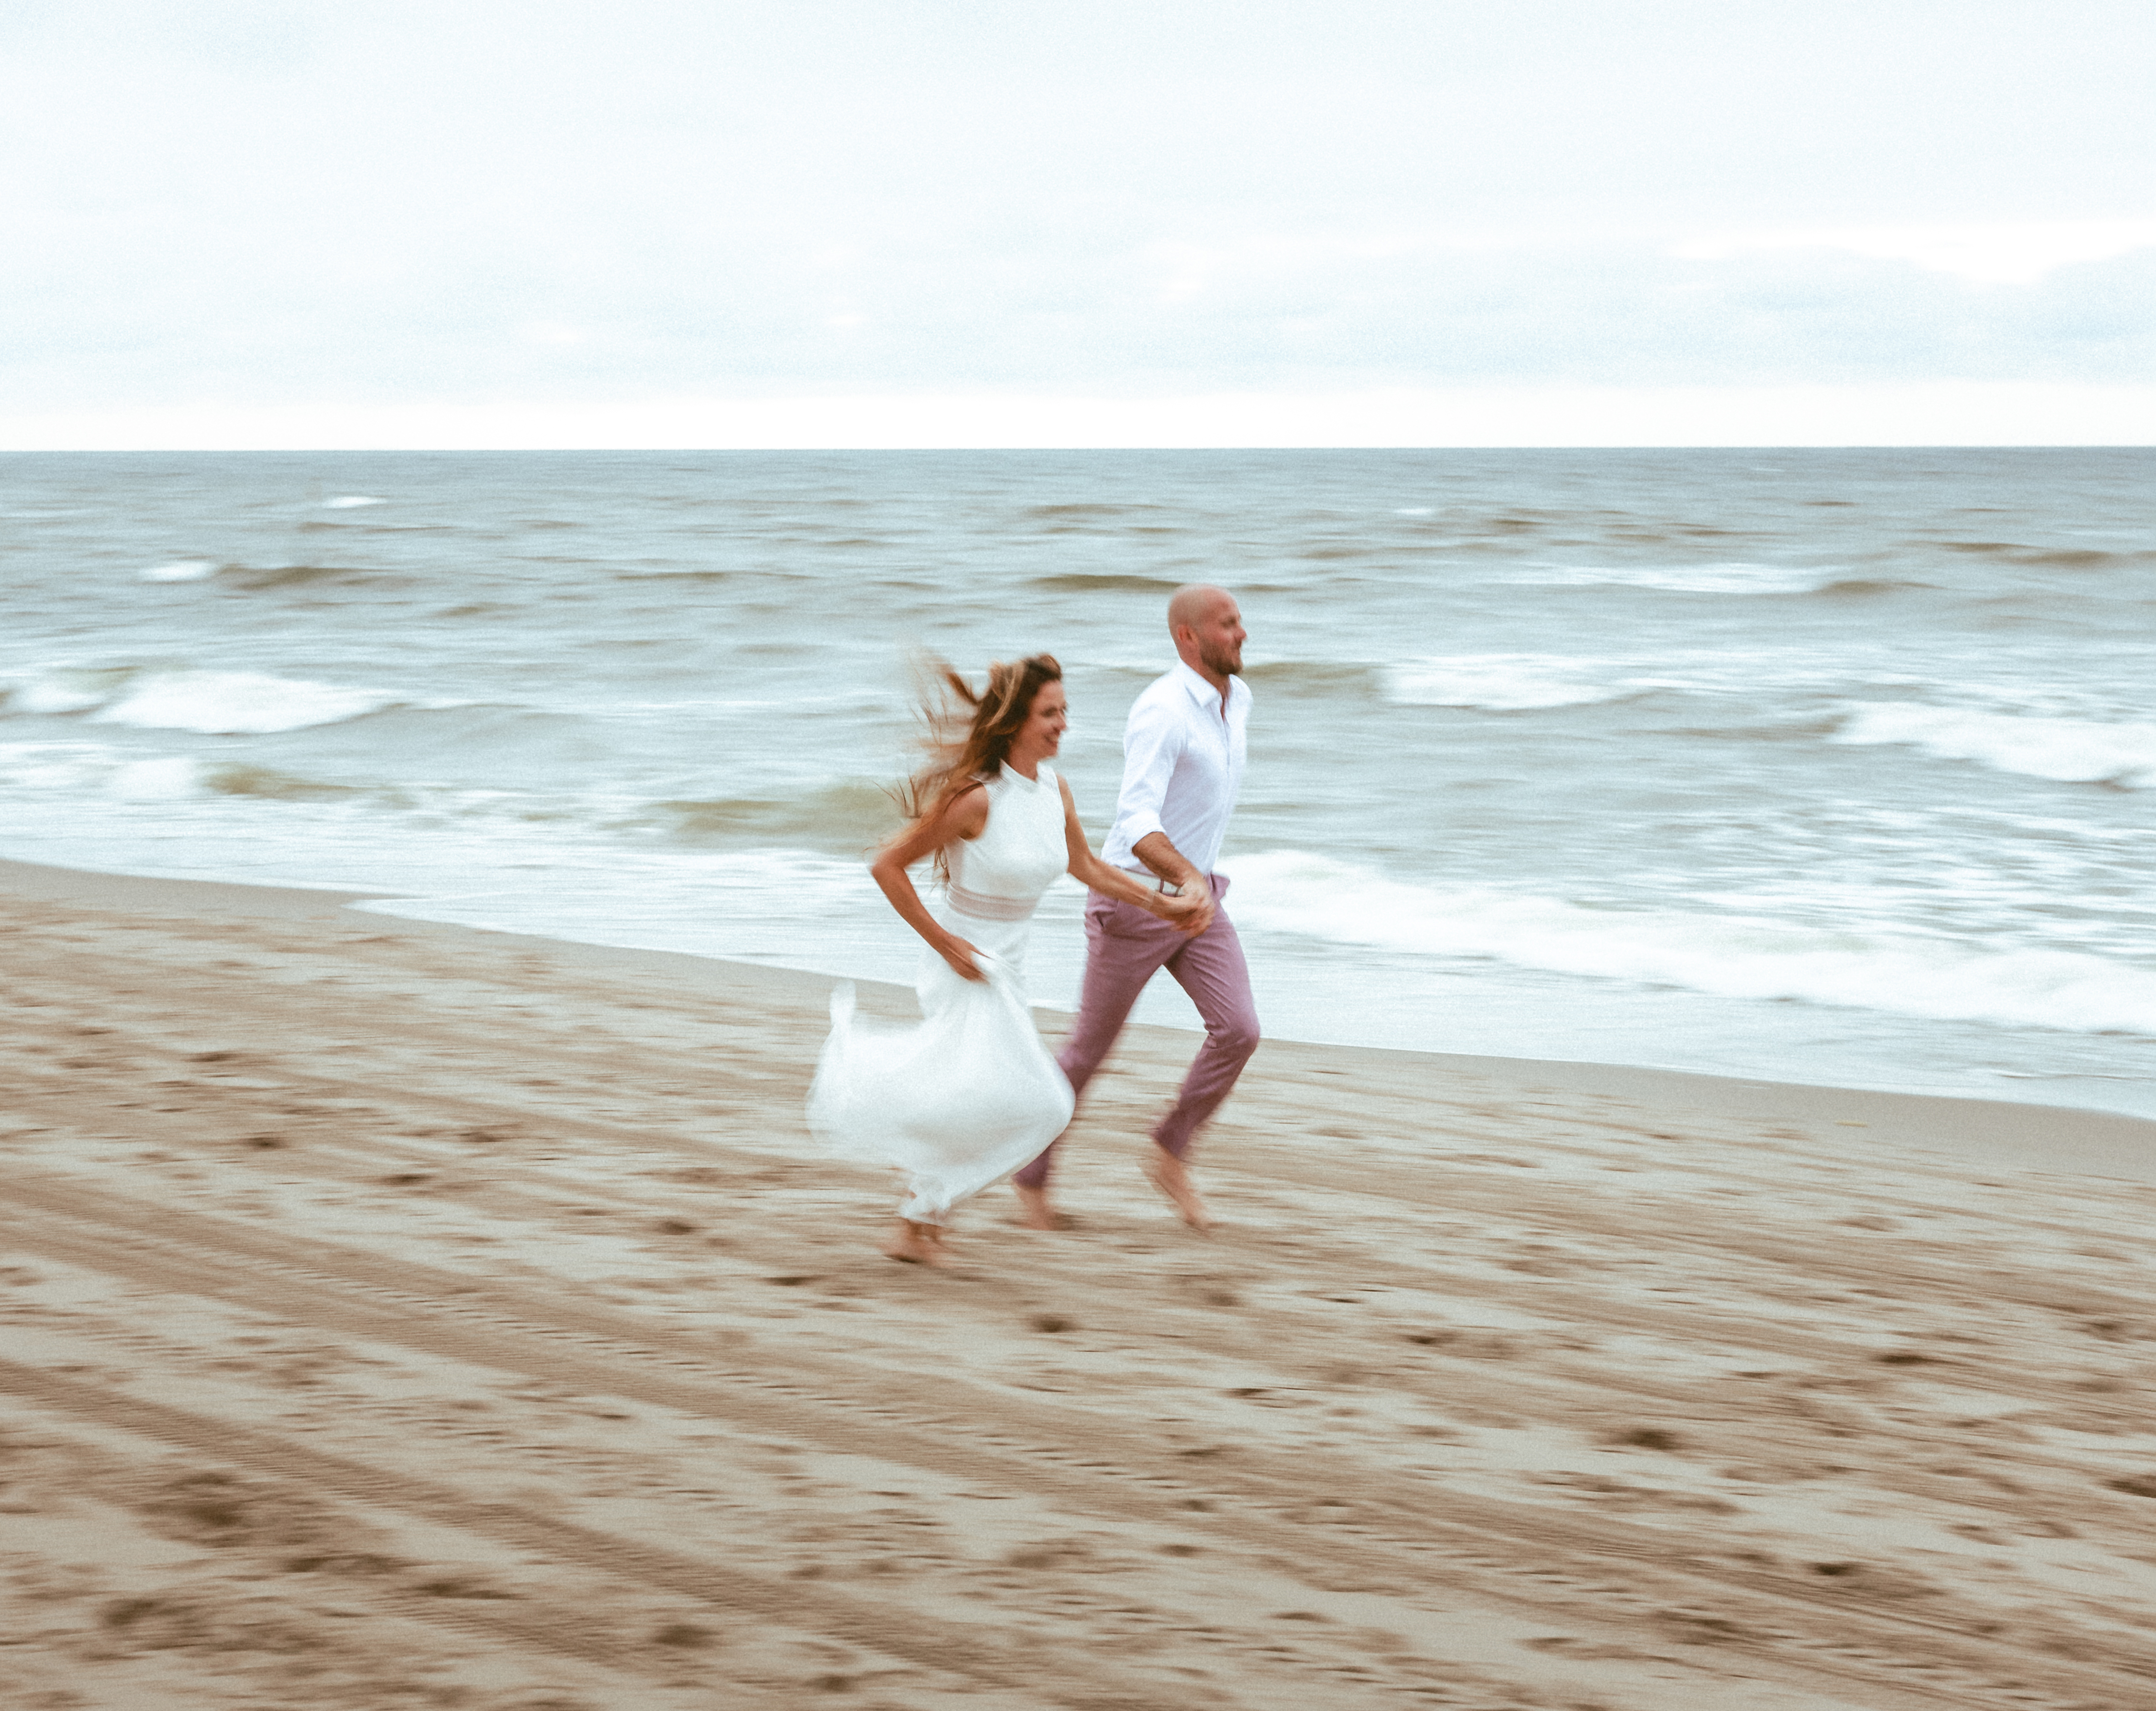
<point>2002,1133</point>
<point>392,1311</point>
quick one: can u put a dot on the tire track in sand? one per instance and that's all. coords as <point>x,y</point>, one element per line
<point>1558,1566</point>
<point>904,1636</point>
<point>1685,1326</point>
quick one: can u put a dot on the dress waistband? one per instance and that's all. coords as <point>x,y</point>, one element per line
<point>982,908</point>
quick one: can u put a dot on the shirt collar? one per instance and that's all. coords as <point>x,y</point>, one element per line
<point>1199,690</point>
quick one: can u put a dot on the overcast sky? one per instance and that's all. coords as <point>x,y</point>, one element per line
<point>983,221</point>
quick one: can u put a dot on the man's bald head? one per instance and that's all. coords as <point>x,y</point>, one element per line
<point>1207,629</point>
<point>1189,604</point>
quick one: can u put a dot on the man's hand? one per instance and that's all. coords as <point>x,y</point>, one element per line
<point>1173,867</point>
<point>1190,913</point>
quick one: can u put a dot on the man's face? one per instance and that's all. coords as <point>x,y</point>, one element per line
<point>1220,635</point>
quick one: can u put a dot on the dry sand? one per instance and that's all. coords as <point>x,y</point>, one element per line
<point>402,1317</point>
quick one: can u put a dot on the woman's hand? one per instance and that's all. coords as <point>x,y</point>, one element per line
<point>959,954</point>
<point>1189,912</point>
<point>962,818</point>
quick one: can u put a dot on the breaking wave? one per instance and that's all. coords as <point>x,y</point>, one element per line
<point>213,703</point>
<point>1321,675</point>
<point>1688,578</point>
<point>268,783</point>
<point>1865,587</point>
<point>2069,751</point>
<point>58,690</point>
<point>1082,510</point>
<point>236,703</point>
<point>852,812</point>
<point>1107,582</point>
<point>1731,956</point>
<point>286,575</point>
<point>1504,682</point>
<point>2065,558</point>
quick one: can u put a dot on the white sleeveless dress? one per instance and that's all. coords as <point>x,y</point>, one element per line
<point>969,1094</point>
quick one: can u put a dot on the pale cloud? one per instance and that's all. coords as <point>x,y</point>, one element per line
<point>393,215</point>
<point>2009,253</point>
<point>1188,270</point>
<point>553,332</point>
<point>1949,413</point>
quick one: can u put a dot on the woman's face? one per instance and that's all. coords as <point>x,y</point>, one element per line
<point>1041,735</point>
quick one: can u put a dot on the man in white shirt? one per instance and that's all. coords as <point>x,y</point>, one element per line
<point>1183,762</point>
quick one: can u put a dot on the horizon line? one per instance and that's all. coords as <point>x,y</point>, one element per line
<point>1024,451</point>
<point>1908,415</point>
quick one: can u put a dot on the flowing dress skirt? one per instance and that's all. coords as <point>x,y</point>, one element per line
<point>956,1101</point>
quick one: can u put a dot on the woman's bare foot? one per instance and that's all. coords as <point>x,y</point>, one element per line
<point>917,1244</point>
<point>1033,1212</point>
<point>1165,1172</point>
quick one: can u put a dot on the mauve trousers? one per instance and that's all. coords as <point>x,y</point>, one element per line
<point>1125,947</point>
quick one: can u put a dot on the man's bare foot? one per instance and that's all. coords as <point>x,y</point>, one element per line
<point>1033,1212</point>
<point>917,1244</point>
<point>1165,1172</point>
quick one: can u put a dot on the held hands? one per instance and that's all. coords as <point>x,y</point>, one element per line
<point>959,954</point>
<point>1190,912</point>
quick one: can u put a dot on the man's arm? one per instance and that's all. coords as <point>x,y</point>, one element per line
<point>1170,863</point>
<point>1184,911</point>
<point>1152,743</point>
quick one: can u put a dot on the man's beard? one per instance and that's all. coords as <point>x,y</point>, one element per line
<point>1228,665</point>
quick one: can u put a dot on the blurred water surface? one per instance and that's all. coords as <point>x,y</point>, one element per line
<point>1834,766</point>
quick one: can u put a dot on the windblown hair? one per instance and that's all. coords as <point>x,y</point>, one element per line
<point>970,735</point>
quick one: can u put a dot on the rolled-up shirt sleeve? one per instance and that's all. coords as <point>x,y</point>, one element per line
<point>1152,743</point>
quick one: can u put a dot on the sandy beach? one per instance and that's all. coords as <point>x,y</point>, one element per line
<point>402,1316</point>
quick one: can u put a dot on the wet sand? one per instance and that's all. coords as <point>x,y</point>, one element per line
<point>396,1315</point>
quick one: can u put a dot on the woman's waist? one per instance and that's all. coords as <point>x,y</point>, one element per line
<point>988,906</point>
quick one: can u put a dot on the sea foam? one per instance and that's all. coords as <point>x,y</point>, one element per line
<point>1529,682</point>
<point>55,691</point>
<point>184,570</point>
<point>2071,751</point>
<point>1504,682</point>
<point>1734,956</point>
<point>1727,578</point>
<point>235,703</point>
<point>165,779</point>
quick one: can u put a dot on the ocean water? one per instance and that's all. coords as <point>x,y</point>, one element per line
<point>1830,766</point>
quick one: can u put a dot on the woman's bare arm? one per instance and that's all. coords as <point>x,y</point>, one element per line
<point>958,820</point>
<point>1191,913</point>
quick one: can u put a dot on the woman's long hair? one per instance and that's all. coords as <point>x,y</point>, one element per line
<point>970,735</point>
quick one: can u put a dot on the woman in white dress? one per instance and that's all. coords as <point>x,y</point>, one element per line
<point>969,1093</point>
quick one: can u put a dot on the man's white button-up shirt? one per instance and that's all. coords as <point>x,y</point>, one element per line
<point>1183,764</point>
